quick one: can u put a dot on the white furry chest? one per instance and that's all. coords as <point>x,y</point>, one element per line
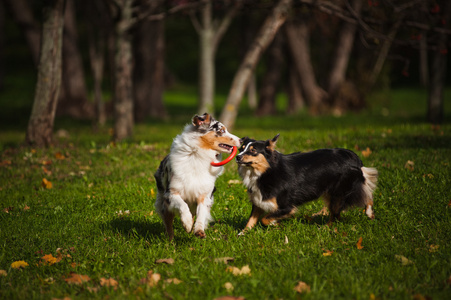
<point>250,179</point>
<point>193,182</point>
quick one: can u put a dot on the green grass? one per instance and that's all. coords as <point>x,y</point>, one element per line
<point>95,180</point>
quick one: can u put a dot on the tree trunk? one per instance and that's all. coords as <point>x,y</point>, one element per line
<point>295,99</point>
<point>298,41</point>
<point>40,126</point>
<point>210,33</point>
<point>271,79</point>
<point>343,51</point>
<point>149,70</point>
<point>438,72</point>
<point>73,99</point>
<point>240,82</point>
<point>123,87</point>
<point>100,26</point>
<point>206,61</point>
<point>386,45</point>
<point>2,45</point>
<point>23,16</point>
<point>424,65</point>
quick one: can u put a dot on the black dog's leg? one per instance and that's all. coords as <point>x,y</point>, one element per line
<point>274,217</point>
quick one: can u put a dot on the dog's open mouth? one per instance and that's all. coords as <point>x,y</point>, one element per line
<point>228,148</point>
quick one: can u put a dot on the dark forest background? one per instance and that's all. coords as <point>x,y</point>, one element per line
<point>114,59</point>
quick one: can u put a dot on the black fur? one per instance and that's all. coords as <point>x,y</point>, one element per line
<point>297,178</point>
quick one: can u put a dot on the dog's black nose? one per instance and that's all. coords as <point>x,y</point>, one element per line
<point>238,158</point>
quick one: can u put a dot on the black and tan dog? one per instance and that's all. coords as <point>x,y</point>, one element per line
<point>277,184</point>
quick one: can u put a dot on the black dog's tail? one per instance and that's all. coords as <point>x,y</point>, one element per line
<point>369,186</point>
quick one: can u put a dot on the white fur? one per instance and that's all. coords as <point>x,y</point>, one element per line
<point>369,186</point>
<point>250,177</point>
<point>192,178</point>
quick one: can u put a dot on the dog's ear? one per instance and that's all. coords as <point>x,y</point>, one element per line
<point>243,142</point>
<point>271,144</point>
<point>199,120</point>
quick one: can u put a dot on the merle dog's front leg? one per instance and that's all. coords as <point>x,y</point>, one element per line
<point>203,216</point>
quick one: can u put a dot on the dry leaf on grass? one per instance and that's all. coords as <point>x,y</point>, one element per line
<point>173,280</point>
<point>328,252</point>
<point>19,264</point>
<point>302,287</point>
<point>230,298</point>
<point>224,259</point>
<point>359,244</point>
<point>228,286</point>
<point>433,248</point>
<point>152,279</point>
<point>59,156</point>
<point>367,152</point>
<point>77,278</point>
<point>46,184</point>
<point>410,165</point>
<point>404,260</point>
<point>245,270</point>
<point>168,261</point>
<point>110,282</point>
<point>49,259</point>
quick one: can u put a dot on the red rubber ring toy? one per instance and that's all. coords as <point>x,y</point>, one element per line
<point>228,159</point>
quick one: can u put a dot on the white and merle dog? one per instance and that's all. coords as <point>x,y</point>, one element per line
<point>185,178</point>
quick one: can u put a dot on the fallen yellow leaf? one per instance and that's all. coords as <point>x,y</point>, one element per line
<point>168,261</point>
<point>224,259</point>
<point>173,280</point>
<point>152,278</point>
<point>19,264</point>
<point>228,286</point>
<point>110,282</point>
<point>245,270</point>
<point>367,152</point>
<point>302,287</point>
<point>77,279</point>
<point>328,253</point>
<point>359,244</point>
<point>49,259</point>
<point>46,184</point>
<point>410,165</point>
<point>59,156</point>
<point>404,260</point>
<point>433,248</point>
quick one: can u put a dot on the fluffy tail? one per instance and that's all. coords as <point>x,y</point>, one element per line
<point>369,186</point>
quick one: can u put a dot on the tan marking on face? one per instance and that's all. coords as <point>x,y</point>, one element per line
<point>211,141</point>
<point>258,163</point>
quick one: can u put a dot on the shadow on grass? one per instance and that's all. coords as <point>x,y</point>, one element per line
<point>148,230</point>
<point>137,228</point>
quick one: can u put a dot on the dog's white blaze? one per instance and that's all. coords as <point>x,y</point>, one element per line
<point>245,149</point>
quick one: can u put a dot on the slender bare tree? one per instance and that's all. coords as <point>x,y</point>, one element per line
<point>40,126</point>
<point>298,35</point>
<point>438,68</point>
<point>243,75</point>
<point>210,32</point>
<point>123,72</point>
